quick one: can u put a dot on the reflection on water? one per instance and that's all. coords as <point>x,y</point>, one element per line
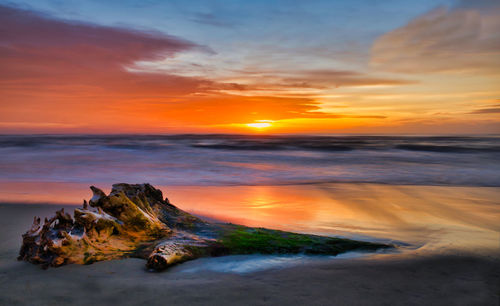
<point>434,218</point>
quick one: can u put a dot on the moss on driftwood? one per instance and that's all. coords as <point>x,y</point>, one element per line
<point>247,240</point>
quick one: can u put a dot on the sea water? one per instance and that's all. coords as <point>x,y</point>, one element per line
<point>437,194</point>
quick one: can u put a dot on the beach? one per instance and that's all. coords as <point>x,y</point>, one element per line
<point>408,278</point>
<point>434,198</point>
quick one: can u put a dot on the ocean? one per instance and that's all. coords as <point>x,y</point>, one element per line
<point>437,194</point>
<point>222,160</point>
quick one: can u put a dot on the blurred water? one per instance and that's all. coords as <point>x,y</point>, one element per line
<point>251,160</point>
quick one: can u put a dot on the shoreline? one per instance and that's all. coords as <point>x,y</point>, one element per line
<point>390,279</point>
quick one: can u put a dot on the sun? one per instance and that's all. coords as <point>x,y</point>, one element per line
<point>260,124</point>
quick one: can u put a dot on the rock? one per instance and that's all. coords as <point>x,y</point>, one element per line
<point>135,220</point>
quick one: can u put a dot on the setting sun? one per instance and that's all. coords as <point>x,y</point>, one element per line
<point>260,124</point>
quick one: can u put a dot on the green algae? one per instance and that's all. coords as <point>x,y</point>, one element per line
<point>246,240</point>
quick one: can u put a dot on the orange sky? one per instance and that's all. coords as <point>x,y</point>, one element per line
<point>438,73</point>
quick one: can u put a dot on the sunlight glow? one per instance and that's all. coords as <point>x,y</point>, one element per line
<point>260,124</point>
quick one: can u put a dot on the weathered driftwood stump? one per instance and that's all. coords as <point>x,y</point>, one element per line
<point>135,221</point>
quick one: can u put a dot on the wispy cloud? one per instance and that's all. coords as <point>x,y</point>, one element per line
<point>212,20</point>
<point>463,39</point>
<point>263,78</point>
<point>493,109</point>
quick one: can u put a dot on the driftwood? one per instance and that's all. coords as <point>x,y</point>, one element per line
<point>136,221</point>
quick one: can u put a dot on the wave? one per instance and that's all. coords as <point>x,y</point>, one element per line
<point>247,160</point>
<point>442,144</point>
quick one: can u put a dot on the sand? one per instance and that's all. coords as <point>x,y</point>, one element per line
<point>397,279</point>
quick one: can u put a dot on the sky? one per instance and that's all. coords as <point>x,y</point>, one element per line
<point>313,67</point>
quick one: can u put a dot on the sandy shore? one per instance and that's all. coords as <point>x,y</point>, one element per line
<point>387,280</point>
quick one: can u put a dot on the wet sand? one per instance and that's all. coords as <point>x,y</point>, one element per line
<point>396,279</point>
<point>419,281</point>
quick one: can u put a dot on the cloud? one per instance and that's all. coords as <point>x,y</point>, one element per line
<point>493,109</point>
<point>261,78</point>
<point>476,4</point>
<point>338,78</point>
<point>486,111</point>
<point>212,20</point>
<point>38,53</point>
<point>462,39</point>
<point>36,125</point>
<point>22,29</point>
